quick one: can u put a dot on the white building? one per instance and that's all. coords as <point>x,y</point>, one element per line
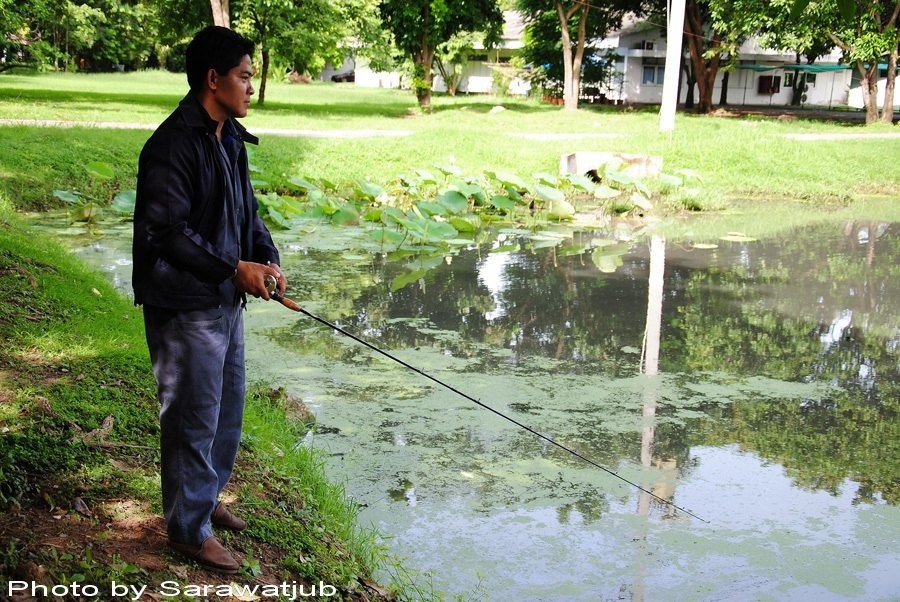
<point>763,77</point>
<point>476,76</point>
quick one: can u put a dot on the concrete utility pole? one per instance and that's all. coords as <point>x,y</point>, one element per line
<point>674,33</point>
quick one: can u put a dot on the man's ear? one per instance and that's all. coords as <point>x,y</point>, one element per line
<point>212,79</point>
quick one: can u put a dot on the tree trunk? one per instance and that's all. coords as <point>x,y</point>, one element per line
<point>705,70</point>
<point>797,88</point>
<point>423,80</point>
<point>690,81</point>
<point>579,56</point>
<point>263,76</point>
<point>868,83</point>
<point>723,95</point>
<point>220,12</point>
<point>568,101</point>
<point>572,62</point>
<point>887,110</point>
<point>451,77</point>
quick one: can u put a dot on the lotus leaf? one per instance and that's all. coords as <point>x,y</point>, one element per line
<point>454,201</point>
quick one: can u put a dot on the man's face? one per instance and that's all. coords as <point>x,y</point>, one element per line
<point>233,90</point>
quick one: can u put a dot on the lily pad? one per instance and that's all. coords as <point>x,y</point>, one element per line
<point>641,201</point>
<point>346,215</point>
<point>303,184</point>
<point>454,201</point>
<point>548,193</point>
<point>503,203</point>
<point>124,202</point>
<point>386,236</point>
<point>407,278</point>
<point>737,237</point>
<point>606,192</point>
<point>466,223</point>
<point>430,208</point>
<point>370,191</point>
<point>507,179</point>
<point>560,209</point>
<point>68,196</point>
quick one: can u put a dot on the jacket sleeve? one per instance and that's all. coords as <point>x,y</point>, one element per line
<point>169,176</point>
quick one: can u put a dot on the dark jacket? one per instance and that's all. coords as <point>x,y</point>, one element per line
<point>179,217</point>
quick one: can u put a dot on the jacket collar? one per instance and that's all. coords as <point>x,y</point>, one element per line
<point>196,116</point>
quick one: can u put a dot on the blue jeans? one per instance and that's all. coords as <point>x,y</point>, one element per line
<point>198,360</point>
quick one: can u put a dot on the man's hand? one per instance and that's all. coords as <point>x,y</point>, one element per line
<point>250,278</point>
<point>281,278</point>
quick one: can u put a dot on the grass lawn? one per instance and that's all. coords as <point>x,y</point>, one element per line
<point>737,158</point>
<point>72,351</point>
<point>79,480</point>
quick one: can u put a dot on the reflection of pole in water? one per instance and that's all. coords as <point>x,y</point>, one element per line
<point>650,367</point>
<point>650,354</point>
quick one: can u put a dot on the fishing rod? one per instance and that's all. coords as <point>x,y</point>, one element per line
<point>270,283</point>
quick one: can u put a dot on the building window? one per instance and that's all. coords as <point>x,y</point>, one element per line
<point>769,84</point>
<point>653,71</point>
<point>788,80</point>
<point>810,79</point>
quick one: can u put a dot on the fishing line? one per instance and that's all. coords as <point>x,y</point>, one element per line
<point>293,305</point>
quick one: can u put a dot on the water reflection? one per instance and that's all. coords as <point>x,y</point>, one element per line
<point>757,384</point>
<point>739,358</point>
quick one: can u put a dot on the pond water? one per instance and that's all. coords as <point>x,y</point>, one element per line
<point>756,384</point>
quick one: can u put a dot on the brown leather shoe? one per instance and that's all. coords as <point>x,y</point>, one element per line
<point>210,554</point>
<point>221,517</point>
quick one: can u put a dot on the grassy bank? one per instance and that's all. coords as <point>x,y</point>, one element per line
<point>738,158</point>
<point>79,483</point>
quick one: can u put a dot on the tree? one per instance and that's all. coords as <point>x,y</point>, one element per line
<point>867,33</point>
<point>705,51</point>
<point>420,26</point>
<point>453,54</point>
<point>803,34</point>
<point>262,21</point>
<point>868,38</point>
<point>179,20</point>
<point>221,12</point>
<point>63,34</point>
<point>33,34</point>
<point>588,21</point>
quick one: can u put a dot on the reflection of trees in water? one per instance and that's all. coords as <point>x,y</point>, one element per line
<point>796,310</point>
<point>822,444</point>
<point>821,306</point>
<point>833,321</point>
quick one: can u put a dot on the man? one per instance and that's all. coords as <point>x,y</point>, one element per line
<point>199,248</point>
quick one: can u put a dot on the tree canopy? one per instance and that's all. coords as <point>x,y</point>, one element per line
<point>420,26</point>
<point>566,59</point>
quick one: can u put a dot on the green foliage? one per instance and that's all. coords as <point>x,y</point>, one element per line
<point>105,35</point>
<point>424,209</point>
<point>73,353</point>
<point>86,206</point>
<point>734,156</point>
<point>97,36</point>
<point>543,40</point>
<point>451,56</point>
<point>866,32</point>
<point>81,567</point>
<point>421,26</point>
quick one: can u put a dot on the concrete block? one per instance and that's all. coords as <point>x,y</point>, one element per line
<point>586,162</point>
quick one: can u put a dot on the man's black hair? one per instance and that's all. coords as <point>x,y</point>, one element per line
<point>216,48</point>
